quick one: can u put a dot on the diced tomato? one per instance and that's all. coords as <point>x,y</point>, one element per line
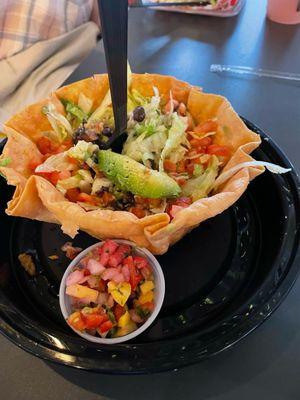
<point>76,321</point>
<point>118,256</point>
<point>182,109</point>
<point>109,246</point>
<point>180,181</point>
<point>181,201</point>
<point>68,143</point>
<point>135,276</point>
<point>190,168</point>
<point>85,166</point>
<point>107,198</point>
<point>218,150</point>
<point>140,262</point>
<point>86,198</point>
<point>154,202</point>
<point>148,306</point>
<point>72,194</point>
<point>181,166</point>
<point>72,160</point>
<point>33,164</point>
<point>194,143</point>
<point>207,126</point>
<point>45,175</point>
<point>168,106</point>
<point>140,200</point>
<point>94,320</point>
<point>206,141</point>
<point>102,285</point>
<point>175,206</point>
<point>138,212</point>
<point>118,311</point>
<point>169,166</point>
<point>54,177</point>
<point>104,257</point>
<point>64,175</point>
<point>105,327</point>
<point>45,145</point>
<point>128,261</point>
<point>86,272</point>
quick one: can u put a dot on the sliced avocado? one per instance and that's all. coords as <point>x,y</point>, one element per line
<point>131,176</point>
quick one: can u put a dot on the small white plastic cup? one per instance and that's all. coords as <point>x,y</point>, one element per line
<point>159,293</point>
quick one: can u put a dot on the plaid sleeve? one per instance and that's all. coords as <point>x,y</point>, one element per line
<point>25,22</point>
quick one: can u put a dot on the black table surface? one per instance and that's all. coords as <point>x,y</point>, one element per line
<point>266,364</point>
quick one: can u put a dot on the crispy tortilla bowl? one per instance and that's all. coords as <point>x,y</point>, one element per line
<point>36,198</point>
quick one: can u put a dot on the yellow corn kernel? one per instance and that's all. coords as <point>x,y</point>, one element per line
<point>147,286</point>
<point>145,298</point>
<point>124,320</point>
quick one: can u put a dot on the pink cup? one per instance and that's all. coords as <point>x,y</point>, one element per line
<point>284,11</point>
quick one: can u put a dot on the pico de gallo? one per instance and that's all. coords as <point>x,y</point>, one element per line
<point>111,291</point>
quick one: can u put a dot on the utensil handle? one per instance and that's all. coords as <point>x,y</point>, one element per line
<point>258,72</point>
<point>116,61</point>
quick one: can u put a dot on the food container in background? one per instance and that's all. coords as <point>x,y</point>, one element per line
<point>284,11</point>
<point>216,8</point>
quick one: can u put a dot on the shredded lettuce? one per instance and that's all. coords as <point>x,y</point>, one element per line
<point>100,183</point>
<point>83,150</point>
<point>85,103</point>
<point>60,125</point>
<point>75,114</point>
<point>69,183</point>
<point>104,112</point>
<point>200,186</point>
<point>198,170</point>
<point>146,149</point>
<point>158,136</point>
<point>135,99</point>
<point>174,148</point>
<point>225,176</point>
<point>82,180</point>
<point>85,175</point>
<point>57,162</point>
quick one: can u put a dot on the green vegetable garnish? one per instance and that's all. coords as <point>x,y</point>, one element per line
<point>74,110</point>
<point>201,185</point>
<point>5,161</point>
<point>141,312</point>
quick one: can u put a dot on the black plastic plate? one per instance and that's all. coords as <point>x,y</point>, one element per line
<point>222,280</point>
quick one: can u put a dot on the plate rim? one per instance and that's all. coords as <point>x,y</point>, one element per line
<point>44,352</point>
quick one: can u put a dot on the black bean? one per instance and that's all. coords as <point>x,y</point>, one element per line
<point>107,131</point>
<point>78,134</point>
<point>88,135</point>
<point>139,114</point>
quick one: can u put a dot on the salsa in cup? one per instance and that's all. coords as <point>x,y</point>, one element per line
<point>111,291</point>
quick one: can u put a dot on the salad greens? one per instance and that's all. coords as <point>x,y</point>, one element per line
<point>75,113</point>
<point>83,150</point>
<point>201,185</point>
<point>157,136</point>
<point>60,125</point>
